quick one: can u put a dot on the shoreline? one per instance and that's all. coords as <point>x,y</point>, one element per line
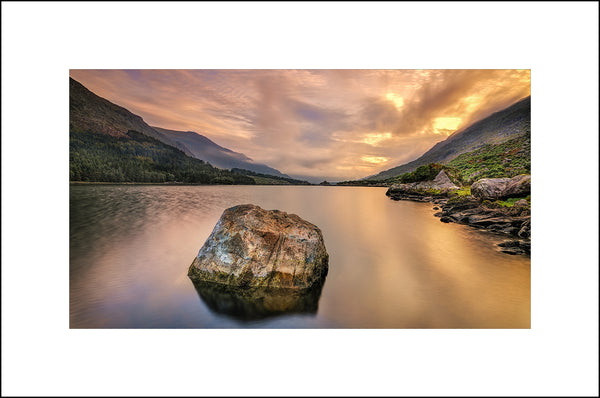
<point>181,184</point>
<point>513,223</point>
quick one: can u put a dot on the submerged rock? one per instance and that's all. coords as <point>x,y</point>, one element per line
<point>515,247</point>
<point>255,248</point>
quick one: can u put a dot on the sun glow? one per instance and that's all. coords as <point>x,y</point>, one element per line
<point>375,138</point>
<point>374,159</point>
<point>396,99</point>
<point>446,125</point>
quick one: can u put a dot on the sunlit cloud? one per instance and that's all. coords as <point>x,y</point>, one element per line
<point>315,124</point>
<point>376,138</point>
<point>446,125</point>
<point>374,159</point>
<point>396,100</point>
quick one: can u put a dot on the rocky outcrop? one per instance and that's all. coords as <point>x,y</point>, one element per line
<point>255,248</point>
<point>477,210</point>
<point>502,188</point>
<point>440,186</point>
<point>513,221</point>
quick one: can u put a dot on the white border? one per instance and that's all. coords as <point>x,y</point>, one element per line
<point>42,41</point>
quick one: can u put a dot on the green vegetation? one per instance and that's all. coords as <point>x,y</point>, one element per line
<point>510,202</point>
<point>422,173</point>
<point>464,191</point>
<point>508,159</point>
<point>495,129</point>
<point>139,158</point>
<point>427,172</point>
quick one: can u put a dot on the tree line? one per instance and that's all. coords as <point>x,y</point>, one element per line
<point>139,158</point>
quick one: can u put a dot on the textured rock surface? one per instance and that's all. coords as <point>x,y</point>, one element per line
<point>489,188</point>
<point>513,221</point>
<point>518,186</point>
<point>442,181</point>
<point>252,247</point>
<point>501,188</point>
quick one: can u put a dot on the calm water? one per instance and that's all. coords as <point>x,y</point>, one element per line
<point>392,264</point>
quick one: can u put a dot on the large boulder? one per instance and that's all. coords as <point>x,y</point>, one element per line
<point>502,188</point>
<point>489,188</point>
<point>255,248</point>
<point>518,187</point>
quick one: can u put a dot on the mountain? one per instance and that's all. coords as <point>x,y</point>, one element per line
<point>107,143</point>
<point>495,129</point>
<point>205,149</point>
<point>90,112</point>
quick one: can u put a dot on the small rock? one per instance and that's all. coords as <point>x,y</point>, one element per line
<point>436,208</point>
<point>446,219</point>
<point>524,232</point>
<point>510,231</point>
<point>510,243</point>
<point>513,250</point>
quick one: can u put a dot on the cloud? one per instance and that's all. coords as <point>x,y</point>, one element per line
<point>338,124</point>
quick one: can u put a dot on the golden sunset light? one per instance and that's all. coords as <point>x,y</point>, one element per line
<point>397,100</point>
<point>446,125</point>
<point>308,123</point>
<point>375,138</point>
<point>374,159</point>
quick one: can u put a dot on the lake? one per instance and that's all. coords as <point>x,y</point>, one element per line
<point>391,264</point>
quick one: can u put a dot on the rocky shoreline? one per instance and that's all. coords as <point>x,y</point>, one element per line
<point>481,209</point>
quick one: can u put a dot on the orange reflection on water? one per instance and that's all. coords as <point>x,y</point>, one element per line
<point>392,264</point>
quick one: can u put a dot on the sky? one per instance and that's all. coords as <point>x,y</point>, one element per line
<point>320,124</point>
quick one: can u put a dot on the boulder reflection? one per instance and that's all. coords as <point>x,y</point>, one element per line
<point>258,303</point>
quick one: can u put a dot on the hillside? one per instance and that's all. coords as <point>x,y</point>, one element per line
<point>203,148</point>
<point>495,129</point>
<point>135,157</point>
<point>107,143</point>
<point>507,159</point>
<point>90,112</point>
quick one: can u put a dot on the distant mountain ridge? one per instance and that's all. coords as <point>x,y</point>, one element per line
<point>90,112</point>
<point>203,148</point>
<point>495,129</point>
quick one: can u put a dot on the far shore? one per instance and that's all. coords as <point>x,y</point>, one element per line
<point>191,184</point>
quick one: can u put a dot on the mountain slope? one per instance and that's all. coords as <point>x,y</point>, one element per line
<point>90,112</point>
<point>494,129</point>
<point>205,149</point>
<point>106,146</point>
<point>135,157</point>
